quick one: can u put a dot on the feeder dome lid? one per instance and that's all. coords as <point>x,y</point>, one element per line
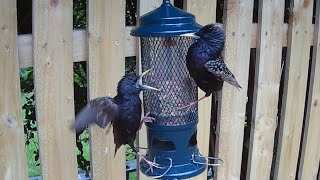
<point>166,21</point>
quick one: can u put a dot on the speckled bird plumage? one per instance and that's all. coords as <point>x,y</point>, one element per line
<point>205,63</point>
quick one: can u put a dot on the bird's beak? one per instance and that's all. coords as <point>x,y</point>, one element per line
<point>145,87</point>
<point>193,35</point>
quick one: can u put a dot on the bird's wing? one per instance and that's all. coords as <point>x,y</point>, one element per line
<point>219,69</point>
<point>100,111</point>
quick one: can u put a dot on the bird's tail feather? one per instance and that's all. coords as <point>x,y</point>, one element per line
<point>234,83</point>
<point>116,149</point>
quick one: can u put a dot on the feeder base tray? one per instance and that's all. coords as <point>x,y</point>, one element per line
<point>167,172</point>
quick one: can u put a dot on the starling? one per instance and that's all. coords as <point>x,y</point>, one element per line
<point>205,63</point>
<point>123,112</point>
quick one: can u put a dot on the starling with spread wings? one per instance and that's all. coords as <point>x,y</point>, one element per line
<point>123,112</point>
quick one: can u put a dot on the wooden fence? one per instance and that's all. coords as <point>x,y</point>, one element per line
<point>54,46</point>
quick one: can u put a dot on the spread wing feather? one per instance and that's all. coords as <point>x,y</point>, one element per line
<point>100,111</point>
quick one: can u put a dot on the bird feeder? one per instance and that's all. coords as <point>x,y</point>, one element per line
<point>172,136</point>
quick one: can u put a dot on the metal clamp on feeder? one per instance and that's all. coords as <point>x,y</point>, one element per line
<point>173,134</point>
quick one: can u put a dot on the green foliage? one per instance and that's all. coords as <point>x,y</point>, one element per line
<point>131,12</point>
<point>83,151</point>
<point>79,14</point>
<point>130,156</point>
<point>80,100</point>
<point>29,122</point>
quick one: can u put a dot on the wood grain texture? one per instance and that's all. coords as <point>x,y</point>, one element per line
<point>106,65</point>
<point>266,89</point>
<point>205,12</point>
<point>80,51</point>
<point>294,94</point>
<point>145,6</point>
<point>310,152</point>
<point>53,80</point>
<point>232,116</point>
<point>80,44</point>
<point>12,146</point>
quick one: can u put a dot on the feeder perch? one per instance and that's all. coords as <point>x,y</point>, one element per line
<point>172,139</point>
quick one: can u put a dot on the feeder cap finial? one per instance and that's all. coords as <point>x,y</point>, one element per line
<point>165,21</point>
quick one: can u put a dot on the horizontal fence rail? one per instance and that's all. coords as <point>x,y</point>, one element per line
<point>80,51</point>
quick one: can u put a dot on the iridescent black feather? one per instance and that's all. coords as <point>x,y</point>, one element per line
<point>205,63</point>
<point>123,111</point>
<point>213,38</point>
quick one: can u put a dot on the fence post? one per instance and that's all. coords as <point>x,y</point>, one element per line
<point>310,152</point>
<point>53,81</point>
<point>295,85</point>
<point>232,107</point>
<point>204,15</point>
<point>106,65</point>
<point>266,89</point>
<point>12,144</point>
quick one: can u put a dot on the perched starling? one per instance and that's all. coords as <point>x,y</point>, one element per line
<point>205,63</point>
<point>122,111</point>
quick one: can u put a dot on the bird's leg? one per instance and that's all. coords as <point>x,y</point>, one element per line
<point>216,97</point>
<point>151,164</point>
<point>145,119</point>
<point>192,103</point>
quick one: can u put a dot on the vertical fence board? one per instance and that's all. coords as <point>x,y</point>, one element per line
<point>310,155</point>
<point>106,30</point>
<point>295,83</point>
<point>143,6</point>
<point>53,78</point>
<point>230,126</point>
<point>12,149</point>
<point>205,12</point>
<point>266,89</point>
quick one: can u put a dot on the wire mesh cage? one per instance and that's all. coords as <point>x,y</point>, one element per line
<point>166,57</point>
<point>172,136</point>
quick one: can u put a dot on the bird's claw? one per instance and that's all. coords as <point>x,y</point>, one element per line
<point>146,119</point>
<point>189,105</point>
